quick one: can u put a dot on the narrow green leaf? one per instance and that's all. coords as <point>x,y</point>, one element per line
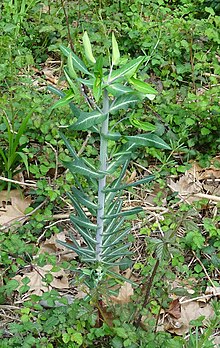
<point>115,51</point>
<point>97,88</point>
<point>88,119</point>
<point>65,100</point>
<point>98,68</point>
<point>80,212</point>
<point>142,87</point>
<point>69,146</point>
<point>145,180</point>
<point>24,158</point>
<point>109,260</point>
<point>119,251</point>
<point>117,239</point>
<point>20,132</point>
<point>146,126</point>
<point>88,48</point>
<point>89,83</point>
<point>56,91</point>
<point>79,167</point>
<point>71,70</point>
<point>148,139</point>
<point>117,89</point>
<point>59,93</point>
<point>110,237</point>
<point>87,237</point>
<point>79,251</point>
<point>87,240</point>
<point>72,84</point>
<point>84,199</point>
<point>113,228</point>
<point>119,161</point>
<point>80,222</point>
<point>123,101</point>
<point>112,136</point>
<point>124,213</point>
<point>77,62</point>
<point>110,196</point>
<point>119,276</point>
<point>128,70</point>
<point>114,208</point>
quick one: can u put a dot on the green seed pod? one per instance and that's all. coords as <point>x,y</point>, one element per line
<point>115,51</point>
<point>88,48</point>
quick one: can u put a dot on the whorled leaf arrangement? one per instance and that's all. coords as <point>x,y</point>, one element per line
<point>112,90</point>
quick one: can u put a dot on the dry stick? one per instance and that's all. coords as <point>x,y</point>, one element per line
<point>17,182</point>
<point>68,25</point>
<point>202,298</point>
<point>210,197</point>
<point>204,269</point>
<point>84,144</point>
<point>56,159</point>
<point>148,289</point>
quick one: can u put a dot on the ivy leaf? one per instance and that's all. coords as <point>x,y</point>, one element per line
<point>150,140</point>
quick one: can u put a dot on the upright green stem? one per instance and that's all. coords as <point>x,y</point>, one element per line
<point>102,182</point>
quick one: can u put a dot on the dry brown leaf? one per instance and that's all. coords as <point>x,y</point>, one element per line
<point>215,291</point>
<point>186,186</point>
<point>12,206</point>
<point>52,246</point>
<point>189,311</point>
<point>216,341</point>
<point>175,309</point>
<point>38,286</point>
<point>124,295</point>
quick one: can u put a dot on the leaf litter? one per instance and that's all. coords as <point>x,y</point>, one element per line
<point>176,319</point>
<point>12,207</point>
<point>37,282</point>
